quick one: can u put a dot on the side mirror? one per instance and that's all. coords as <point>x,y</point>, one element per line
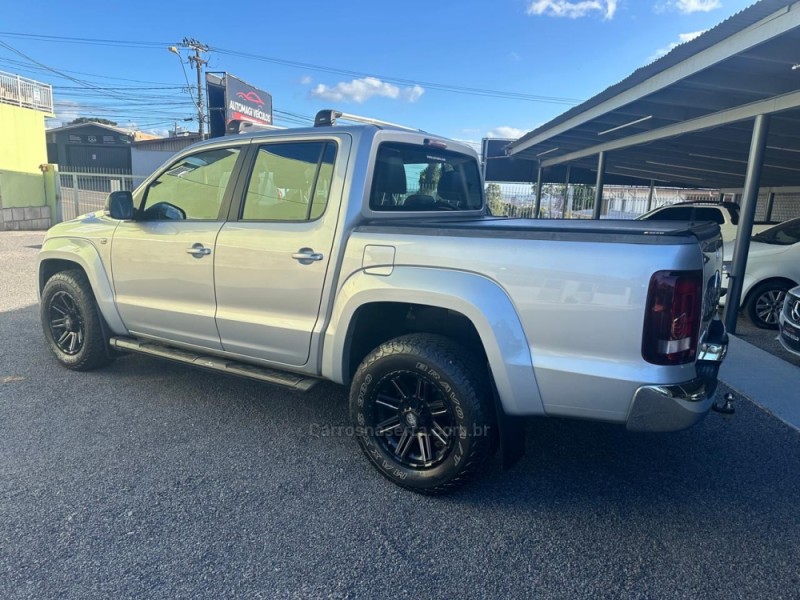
<point>119,205</point>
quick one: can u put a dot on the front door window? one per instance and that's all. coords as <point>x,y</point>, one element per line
<point>192,189</point>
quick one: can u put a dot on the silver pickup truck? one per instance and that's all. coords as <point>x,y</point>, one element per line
<point>365,255</point>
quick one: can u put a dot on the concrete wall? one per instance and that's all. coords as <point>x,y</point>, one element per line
<point>25,202</point>
<point>30,217</point>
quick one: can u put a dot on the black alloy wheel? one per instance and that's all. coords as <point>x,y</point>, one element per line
<point>413,420</point>
<point>423,413</point>
<point>66,323</point>
<point>72,323</point>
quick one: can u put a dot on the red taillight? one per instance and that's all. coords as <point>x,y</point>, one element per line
<point>672,317</point>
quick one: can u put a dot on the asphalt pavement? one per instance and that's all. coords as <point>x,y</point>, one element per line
<point>766,339</point>
<point>150,479</point>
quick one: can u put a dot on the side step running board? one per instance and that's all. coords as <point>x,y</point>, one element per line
<point>282,378</point>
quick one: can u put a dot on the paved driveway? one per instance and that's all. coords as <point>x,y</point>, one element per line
<point>155,480</point>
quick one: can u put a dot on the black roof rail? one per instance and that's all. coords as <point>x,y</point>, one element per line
<point>241,126</point>
<point>329,116</point>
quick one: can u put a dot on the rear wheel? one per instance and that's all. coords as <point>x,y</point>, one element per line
<point>765,304</point>
<point>423,414</point>
<point>71,322</point>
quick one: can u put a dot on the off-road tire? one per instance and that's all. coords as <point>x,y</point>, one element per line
<point>73,288</point>
<point>454,380</point>
<point>761,298</point>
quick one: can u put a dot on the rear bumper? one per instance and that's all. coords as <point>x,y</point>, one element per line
<point>678,406</point>
<point>670,407</point>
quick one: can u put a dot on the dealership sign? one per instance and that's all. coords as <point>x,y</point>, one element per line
<point>246,103</point>
<point>231,99</point>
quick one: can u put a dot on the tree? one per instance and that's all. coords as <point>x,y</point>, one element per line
<point>429,178</point>
<point>494,198</point>
<point>99,120</point>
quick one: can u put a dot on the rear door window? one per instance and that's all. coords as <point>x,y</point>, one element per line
<point>290,181</point>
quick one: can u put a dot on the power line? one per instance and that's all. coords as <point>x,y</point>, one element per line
<point>82,40</point>
<point>475,91</point>
<point>86,87</point>
<point>402,81</point>
<point>123,88</point>
<point>33,68</point>
<point>147,100</point>
<point>56,71</point>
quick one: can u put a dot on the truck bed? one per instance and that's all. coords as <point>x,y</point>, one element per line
<point>611,231</point>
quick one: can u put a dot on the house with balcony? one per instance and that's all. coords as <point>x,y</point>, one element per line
<point>27,189</point>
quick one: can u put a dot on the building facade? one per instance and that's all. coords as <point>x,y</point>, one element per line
<point>27,182</point>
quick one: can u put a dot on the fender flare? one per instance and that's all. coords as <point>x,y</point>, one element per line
<point>478,298</point>
<point>84,254</point>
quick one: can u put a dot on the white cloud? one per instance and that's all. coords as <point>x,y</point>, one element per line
<point>66,111</point>
<point>514,56</point>
<point>688,7</point>
<point>160,132</point>
<point>504,131</point>
<point>574,9</point>
<point>413,93</point>
<point>361,90</point>
<point>305,80</point>
<point>682,39</point>
<point>471,143</point>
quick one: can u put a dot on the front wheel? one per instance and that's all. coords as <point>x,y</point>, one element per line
<point>71,322</point>
<point>765,304</point>
<point>422,411</point>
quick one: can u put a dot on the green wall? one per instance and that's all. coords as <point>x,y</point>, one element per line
<point>22,149</point>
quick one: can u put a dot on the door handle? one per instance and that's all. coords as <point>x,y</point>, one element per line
<point>198,250</point>
<point>305,256</point>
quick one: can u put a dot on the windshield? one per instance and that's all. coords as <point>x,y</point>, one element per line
<point>785,234</point>
<point>411,177</point>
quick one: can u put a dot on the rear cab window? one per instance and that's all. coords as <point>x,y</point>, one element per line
<point>410,177</point>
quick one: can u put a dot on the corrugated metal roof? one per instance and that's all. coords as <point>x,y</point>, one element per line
<point>172,144</point>
<point>734,24</point>
<point>90,124</point>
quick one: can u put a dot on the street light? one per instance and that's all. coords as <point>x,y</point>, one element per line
<point>198,63</point>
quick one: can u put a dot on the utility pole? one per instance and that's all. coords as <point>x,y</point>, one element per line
<point>198,63</point>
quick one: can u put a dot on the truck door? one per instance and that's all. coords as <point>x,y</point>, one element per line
<point>274,253</point>
<point>163,262</point>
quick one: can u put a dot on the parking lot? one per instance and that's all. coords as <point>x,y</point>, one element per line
<point>152,479</point>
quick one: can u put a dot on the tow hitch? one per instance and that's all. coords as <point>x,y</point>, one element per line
<point>725,407</point>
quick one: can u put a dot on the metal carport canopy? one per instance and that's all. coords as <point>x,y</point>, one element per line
<point>687,117</point>
<point>720,111</point>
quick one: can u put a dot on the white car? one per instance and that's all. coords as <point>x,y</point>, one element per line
<point>724,214</point>
<point>773,268</point>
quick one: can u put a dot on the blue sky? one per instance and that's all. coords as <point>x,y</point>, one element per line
<point>390,57</point>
